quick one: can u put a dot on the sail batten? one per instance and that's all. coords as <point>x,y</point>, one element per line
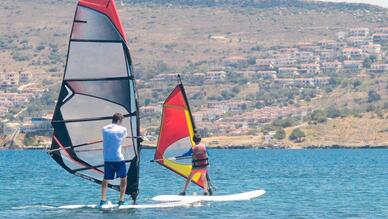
<point>98,81</point>
<point>176,134</point>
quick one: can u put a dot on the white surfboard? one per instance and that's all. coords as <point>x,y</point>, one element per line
<point>111,206</point>
<point>216,198</point>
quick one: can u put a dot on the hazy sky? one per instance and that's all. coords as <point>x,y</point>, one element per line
<point>383,3</point>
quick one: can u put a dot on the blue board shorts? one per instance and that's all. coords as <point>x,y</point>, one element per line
<point>112,168</point>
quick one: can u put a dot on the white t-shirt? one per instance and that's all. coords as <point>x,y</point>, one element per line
<point>113,136</point>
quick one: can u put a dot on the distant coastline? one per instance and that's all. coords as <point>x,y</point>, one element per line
<point>147,147</point>
<point>371,2</point>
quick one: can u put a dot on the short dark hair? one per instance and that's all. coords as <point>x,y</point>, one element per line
<point>117,117</point>
<point>197,138</point>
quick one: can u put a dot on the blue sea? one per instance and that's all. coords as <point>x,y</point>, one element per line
<point>331,183</point>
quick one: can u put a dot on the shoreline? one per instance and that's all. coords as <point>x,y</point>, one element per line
<point>149,147</point>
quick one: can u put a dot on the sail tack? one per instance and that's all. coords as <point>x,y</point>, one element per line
<point>176,134</point>
<point>98,82</point>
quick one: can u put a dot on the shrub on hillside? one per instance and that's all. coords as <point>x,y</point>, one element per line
<point>297,135</point>
<point>370,108</point>
<point>287,122</point>
<point>357,83</point>
<point>318,116</point>
<point>280,134</point>
<point>333,112</point>
<point>373,96</point>
<point>40,47</point>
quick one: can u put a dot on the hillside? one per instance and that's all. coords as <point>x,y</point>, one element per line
<point>169,37</point>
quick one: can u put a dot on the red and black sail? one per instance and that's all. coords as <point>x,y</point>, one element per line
<point>98,82</point>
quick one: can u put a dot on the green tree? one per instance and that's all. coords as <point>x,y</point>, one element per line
<point>287,122</point>
<point>333,112</point>
<point>280,134</point>
<point>252,61</point>
<point>297,135</point>
<point>357,83</point>
<point>318,116</point>
<point>335,81</point>
<point>371,108</point>
<point>373,96</point>
<point>226,94</point>
<point>259,105</point>
<point>236,90</point>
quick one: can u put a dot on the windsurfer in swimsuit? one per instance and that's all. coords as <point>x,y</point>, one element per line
<point>114,163</point>
<point>200,163</point>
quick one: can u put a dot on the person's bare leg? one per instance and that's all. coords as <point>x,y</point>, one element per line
<point>188,182</point>
<point>123,187</point>
<point>104,186</point>
<point>205,184</point>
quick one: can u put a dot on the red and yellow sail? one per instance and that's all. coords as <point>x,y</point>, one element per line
<point>176,134</point>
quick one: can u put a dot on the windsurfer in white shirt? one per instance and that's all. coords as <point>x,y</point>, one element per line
<point>114,162</point>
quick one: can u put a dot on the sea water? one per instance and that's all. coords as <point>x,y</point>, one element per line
<point>330,183</point>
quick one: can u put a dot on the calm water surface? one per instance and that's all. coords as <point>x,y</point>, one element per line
<point>299,183</point>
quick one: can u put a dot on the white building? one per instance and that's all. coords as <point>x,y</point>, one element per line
<point>285,61</point>
<point>264,64</point>
<point>379,68</point>
<point>24,77</point>
<point>267,74</point>
<point>381,30</point>
<point>307,57</point>
<point>215,75</point>
<point>357,41</point>
<point>310,68</point>
<point>341,35</point>
<point>359,32</point>
<point>380,38</point>
<point>327,44</point>
<point>198,76</point>
<point>7,84</point>
<point>331,67</point>
<point>372,49</point>
<point>327,55</point>
<point>36,124</point>
<point>353,65</point>
<point>321,81</point>
<point>287,72</point>
<point>352,53</point>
